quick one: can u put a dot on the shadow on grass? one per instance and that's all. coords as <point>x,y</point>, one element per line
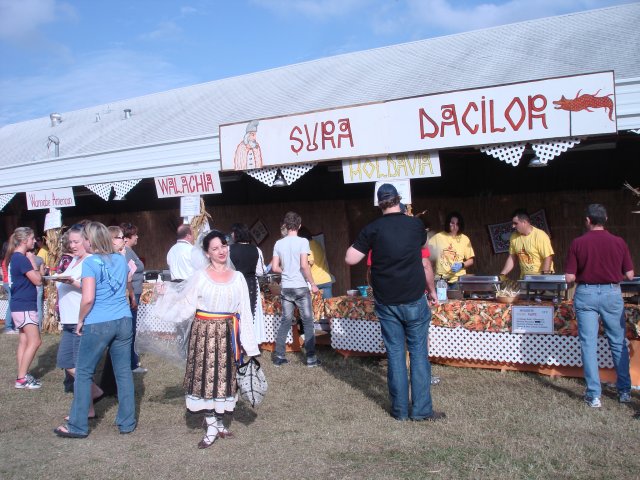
<point>366,374</point>
<point>46,361</point>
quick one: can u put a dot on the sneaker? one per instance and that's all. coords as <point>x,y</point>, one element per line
<point>139,370</point>
<point>435,379</point>
<point>28,382</point>
<point>313,362</point>
<point>279,361</point>
<point>10,331</point>
<point>624,397</point>
<point>593,402</point>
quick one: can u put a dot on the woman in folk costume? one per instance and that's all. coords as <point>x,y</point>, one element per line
<point>219,297</point>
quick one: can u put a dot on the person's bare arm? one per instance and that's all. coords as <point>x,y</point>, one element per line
<point>353,256</point>
<point>509,264</point>
<point>546,264</point>
<point>629,275</point>
<point>428,273</point>
<point>275,265</point>
<point>86,302</point>
<point>306,271</point>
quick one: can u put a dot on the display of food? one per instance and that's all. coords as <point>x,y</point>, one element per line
<point>506,294</point>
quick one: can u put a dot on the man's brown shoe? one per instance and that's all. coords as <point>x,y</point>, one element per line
<point>434,417</point>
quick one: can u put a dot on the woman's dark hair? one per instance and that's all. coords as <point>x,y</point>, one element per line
<point>447,221</point>
<point>240,233</point>
<point>128,230</point>
<point>210,236</point>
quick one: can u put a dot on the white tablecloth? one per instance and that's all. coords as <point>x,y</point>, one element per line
<point>463,344</point>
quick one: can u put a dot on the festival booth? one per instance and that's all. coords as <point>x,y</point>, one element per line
<point>327,134</point>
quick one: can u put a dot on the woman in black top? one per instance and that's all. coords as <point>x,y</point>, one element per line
<point>246,259</point>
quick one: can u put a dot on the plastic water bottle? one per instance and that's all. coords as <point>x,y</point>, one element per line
<point>441,289</point>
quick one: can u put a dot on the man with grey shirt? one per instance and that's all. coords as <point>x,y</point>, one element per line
<point>290,258</point>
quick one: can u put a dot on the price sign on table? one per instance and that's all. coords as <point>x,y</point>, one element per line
<point>531,319</point>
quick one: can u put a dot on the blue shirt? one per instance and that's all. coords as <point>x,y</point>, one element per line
<point>23,292</point>
<point>110,273</point>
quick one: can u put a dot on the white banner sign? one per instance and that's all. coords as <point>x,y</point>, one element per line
<point>190,205</point>
<point>391,167</point>
<point>402,186</point>
<point>53,219</point>
<point>535,319</point>
<point>56,198</point>
<point>554,108</point>
<point>188,184</point>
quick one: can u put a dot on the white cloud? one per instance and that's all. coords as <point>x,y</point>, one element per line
<point>97,79</point>
<point>187,10</point>
<point>165,31</point>
<point>315,9</point>
<point>21,21</point>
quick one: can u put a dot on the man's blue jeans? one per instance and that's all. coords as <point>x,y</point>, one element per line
<point>116,335</point>
<point>605,300</point>
<point>300,297</point>
<point>408,323</point>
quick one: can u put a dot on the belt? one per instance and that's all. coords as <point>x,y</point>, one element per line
<point>596,284</point>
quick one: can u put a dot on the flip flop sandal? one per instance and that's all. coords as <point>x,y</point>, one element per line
<point>67,434</point>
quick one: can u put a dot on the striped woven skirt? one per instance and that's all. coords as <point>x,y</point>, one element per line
<point>211,356</point>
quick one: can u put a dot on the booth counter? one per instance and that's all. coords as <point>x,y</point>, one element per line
<point>477,333</point>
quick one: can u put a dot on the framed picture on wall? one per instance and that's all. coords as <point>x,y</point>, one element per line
<point>258,232</point>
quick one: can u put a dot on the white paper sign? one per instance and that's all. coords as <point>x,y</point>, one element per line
<point>391,167</point>
<point>190,205</point>
<point>203,183</point>
<point>531,319</point>
<point>402,186</point>
<point>53,219</point>
<point>56,198</point>
<point>553,108</point>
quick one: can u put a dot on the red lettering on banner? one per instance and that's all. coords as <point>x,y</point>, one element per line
<point>449,117</point>
<point>474,129</point>
<point>533,108</point>
<point>491,117</point>
<point>329,138</point>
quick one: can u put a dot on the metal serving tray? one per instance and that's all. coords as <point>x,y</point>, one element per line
<point>557,283</point>
<point>479,283</point>
<point>631,286</point>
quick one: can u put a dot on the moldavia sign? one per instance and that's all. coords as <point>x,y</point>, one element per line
<point>554,108</point>
<point>391,167</point>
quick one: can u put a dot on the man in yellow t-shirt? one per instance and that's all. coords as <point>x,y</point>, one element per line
<point>529,246</point>
<point>452,249</point>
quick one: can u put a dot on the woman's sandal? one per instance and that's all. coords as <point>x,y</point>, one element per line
<point>224,433</point>
<point>207,440</point>
<point>63,432</point>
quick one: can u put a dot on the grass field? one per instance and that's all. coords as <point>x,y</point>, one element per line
<point>329,422</point>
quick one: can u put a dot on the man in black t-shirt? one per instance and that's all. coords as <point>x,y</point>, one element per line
<point>399,282</point>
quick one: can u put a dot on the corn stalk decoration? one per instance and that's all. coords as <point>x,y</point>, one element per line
<point>50,319</point>
<point>635,191</point>
<point>199,221</point>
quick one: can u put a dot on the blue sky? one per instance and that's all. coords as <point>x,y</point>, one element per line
<point>67,55</point>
